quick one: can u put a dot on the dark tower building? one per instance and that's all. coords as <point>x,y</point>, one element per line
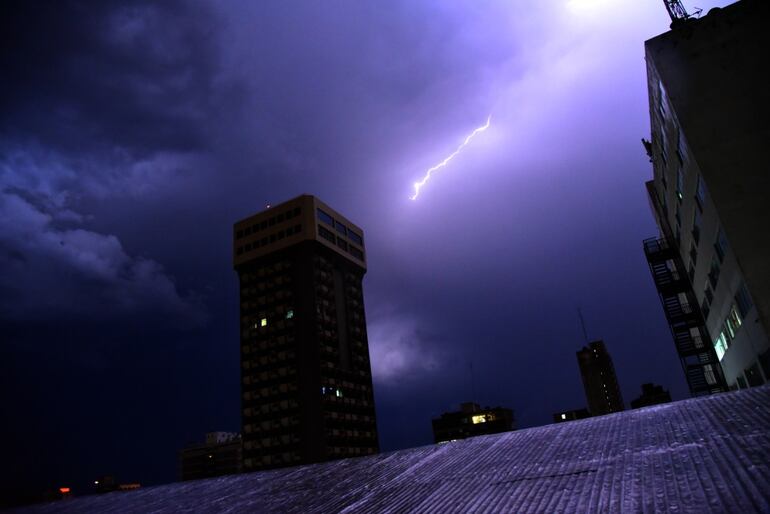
<point>599,380</point>
<point>709,112</point>
<point>306,378</point>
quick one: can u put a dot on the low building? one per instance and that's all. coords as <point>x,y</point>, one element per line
<point>651,395</point>
<point>571,415</point>
<point>471,420</point>
<point>219,455</point>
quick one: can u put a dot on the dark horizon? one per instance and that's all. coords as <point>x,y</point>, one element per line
<point>134,135</point>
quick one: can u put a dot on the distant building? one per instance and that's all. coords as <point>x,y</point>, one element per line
<point>599,380</point>
<point>219,455</point>
<point>651,395</point>
<point>710,193</point>
<point>471,420</point>
<point>571,415</point>
<point>306,377</point>
<point>107,484</point>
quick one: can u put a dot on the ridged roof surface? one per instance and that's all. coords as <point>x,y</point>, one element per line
<point>703,455</point>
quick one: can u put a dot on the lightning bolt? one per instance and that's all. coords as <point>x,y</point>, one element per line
<point>426,178</point>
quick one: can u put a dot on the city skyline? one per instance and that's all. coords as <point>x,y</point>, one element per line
<point>131,139</point>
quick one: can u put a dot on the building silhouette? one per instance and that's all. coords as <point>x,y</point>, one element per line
<point>710,193</point>
<point>219,455</point>
<point>651,395</point>
<point>571,415</point>
<point>599,379</point>
<point>306,378</point>
<point>472,420</point>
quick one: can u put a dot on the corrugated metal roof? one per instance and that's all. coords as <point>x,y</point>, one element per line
<point>703,455</point>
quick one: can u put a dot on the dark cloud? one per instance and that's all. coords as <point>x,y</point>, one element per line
<point>100,75</point>
<point>133,134</point>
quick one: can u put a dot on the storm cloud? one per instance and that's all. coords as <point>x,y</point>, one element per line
<point>133,134</point>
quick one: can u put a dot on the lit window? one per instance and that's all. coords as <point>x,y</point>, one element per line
<point>563,416</point>
<point>338,393</point>
<point>263,322</point>
<point>720,345</point>
<point>289,314</point>
<point>479,419</point>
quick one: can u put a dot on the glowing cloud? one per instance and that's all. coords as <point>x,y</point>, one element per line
<point>418,185</point>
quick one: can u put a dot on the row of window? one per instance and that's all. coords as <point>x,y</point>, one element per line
<point>289,314</point>
<point>738,312</point>
<point>264,224</point>
<point>340,227</point>
<point>272,238</point>
<point>344,245</point>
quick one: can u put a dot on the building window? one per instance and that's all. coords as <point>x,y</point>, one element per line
<point>325,217</point>
<point>696,223</point>
<point>714,271</point>
<point>681,148</point>
<point>734,320</point>
<point>289,314</point>
<point>342,243</point>
<point>743,300</point>
<point>263,322</point>
<point>342,229</point>
<point>705,308</point>
<point>662,101</point>
<point>326,234</point>
<point>700,192</point>
<point>720,246</point>
<point>355,252</point>
<point>355,238</point>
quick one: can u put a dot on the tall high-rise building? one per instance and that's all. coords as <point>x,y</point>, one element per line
<point>599,379</point>
<point>710,194</point>
<point>306,378</point>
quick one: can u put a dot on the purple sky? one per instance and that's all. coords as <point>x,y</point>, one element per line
<point>133,135</point>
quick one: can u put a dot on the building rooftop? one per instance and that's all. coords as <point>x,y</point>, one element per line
<point>710,454</point>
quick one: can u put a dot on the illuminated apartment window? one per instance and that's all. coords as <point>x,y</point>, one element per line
<point>263,322</point>
<point>720,345</point>
<point>289,314</point>
<point>481,418</point>
<point>563,416</point>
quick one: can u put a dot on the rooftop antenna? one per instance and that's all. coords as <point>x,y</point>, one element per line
<point>473,381</point>
<point>583,324</point>
<point>678,13</point>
